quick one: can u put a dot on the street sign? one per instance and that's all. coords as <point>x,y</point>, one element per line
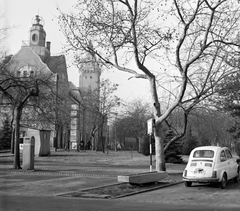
<point>150,125</point>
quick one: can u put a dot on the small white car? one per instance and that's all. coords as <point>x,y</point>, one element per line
<point>208,164</point>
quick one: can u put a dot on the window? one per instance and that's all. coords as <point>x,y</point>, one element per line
<point>18,73</point>
<point>229,155</point>
<point>74,106</point>
<point>34,38</point>
<point>32,73</point>
<point>25,73</point>
<point>223,156</point>
<point>73,113</point>
<point>203,154</point>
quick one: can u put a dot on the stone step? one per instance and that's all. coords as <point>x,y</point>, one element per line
<point>142,178</point>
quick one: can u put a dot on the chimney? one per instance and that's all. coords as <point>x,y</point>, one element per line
<point>48,46</point>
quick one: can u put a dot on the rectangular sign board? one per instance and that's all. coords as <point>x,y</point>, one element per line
<point>150,124</point>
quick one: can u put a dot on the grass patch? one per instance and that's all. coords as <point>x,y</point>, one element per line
<point>124,189</point>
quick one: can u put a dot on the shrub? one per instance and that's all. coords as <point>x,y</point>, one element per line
<point>237,148</point>
<point>5,135</point>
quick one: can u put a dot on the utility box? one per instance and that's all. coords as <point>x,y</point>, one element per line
<point>28,153</point>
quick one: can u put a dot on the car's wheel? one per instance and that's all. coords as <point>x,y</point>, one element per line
<point>188,184</point>
<point>223,183</point>
<point>236,179</point>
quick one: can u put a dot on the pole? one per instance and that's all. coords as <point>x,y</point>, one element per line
<point>115,132</point>
<point>56,118</point>
<point>115,137</point>
<point>150,148</point>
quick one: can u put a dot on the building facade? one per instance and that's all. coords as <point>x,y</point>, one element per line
<point>76,110</point>
<point>34,58</point>
<point>89,84</point>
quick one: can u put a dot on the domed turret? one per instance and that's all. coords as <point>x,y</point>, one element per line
<point>37,33</point>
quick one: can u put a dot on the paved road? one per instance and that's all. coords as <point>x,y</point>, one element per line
<point>41,190</point>
<point>33,203</point>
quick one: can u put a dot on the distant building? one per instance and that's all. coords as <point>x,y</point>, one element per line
<point>77,124</point>
<point>73,118</point>
<point>34,56</point>
<point>89,85</point>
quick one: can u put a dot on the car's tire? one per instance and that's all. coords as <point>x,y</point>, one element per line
<point>188,184</point>
<point>223,183</point>
<point>237,178</point>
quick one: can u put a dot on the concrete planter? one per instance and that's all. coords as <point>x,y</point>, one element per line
<point>141,178</point>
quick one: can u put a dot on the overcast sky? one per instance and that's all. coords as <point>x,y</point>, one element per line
<point>19,14</point>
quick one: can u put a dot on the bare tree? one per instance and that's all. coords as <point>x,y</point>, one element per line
<point>187,40</point>
<point>100,105</point>
<point>4,29</point>
<point>133,119</point>
<point>19,92</point>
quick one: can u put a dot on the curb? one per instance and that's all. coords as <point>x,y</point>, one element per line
<point>32,172</point>
<point>115,197</point>
<point>150,189</point>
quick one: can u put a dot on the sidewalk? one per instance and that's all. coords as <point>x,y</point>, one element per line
<point>121,158</point>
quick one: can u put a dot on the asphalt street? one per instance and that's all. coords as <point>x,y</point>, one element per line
<point>53,176</point>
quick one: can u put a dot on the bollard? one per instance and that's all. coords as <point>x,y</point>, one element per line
<point>28,154</point>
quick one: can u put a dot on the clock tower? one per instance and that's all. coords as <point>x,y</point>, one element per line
<point>38,38</point>
<point>89,79</point>
<point>37,32</point>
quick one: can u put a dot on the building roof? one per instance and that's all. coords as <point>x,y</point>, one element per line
<point>75,93</point>
<point>56,63</point>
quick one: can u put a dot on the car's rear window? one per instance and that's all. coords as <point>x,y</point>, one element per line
<point>203,154</point>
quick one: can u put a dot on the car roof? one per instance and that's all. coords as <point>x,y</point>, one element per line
<point>214,148</point>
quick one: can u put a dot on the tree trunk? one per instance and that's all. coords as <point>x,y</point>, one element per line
<point>19,108</point>
<point>158,131</point>
<point>103,146</point>
<point>56,137</point>
<point>16,164</point>
<point>93,142</point>
<point>159,152</point>
<point>13,140</point>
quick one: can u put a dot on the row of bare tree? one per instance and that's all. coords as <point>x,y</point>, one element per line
<point>189,42</point>
<point>206,125</point>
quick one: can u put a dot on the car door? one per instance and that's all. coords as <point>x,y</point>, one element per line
<point>223,167</point>
<point>231,164</point>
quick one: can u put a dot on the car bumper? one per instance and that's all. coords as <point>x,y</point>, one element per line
<point>201,180</point>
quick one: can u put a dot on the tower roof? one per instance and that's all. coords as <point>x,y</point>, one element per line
<point>38,21</point>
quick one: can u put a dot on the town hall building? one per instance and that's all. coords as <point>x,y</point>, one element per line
<point>72,122</point>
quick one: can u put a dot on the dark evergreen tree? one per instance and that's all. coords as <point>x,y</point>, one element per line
<point>172,155</point>
<point>5,135</point>
<point>228,97</point>
<point>229,100</point>
<point>189,142</point>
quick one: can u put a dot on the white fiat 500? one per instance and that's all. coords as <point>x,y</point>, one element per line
<point>209,164</point>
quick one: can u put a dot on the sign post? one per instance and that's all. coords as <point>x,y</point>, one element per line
<point>150,125</point>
